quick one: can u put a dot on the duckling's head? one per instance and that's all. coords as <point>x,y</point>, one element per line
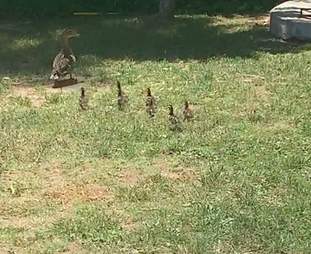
<point>70,33</point>
<point>118,85</point>
<point>186,104</point>
<point>148,91</point>
<point>171,110</point>
<point>82,91</point>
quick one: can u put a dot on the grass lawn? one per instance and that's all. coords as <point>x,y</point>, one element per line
<point>236,180</point>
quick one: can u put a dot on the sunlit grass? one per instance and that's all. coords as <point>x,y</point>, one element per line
<point>25,43</point>
<point>235,180</point>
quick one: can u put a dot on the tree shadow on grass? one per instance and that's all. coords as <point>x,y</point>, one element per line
<point>28,48</point>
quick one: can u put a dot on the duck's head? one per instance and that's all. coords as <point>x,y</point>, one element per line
<point>148,91</point>
<point>118,85</point>
<point>171,110</point>
<point>186,104</point>
<point>82,91</point>
<point>70,33</point>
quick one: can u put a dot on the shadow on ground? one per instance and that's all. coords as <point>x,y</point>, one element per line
<point>29,47</point>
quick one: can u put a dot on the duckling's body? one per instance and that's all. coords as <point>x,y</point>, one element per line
<point>65,59</point>
<point>122,97</point>
<point>150,104</point>
<point>175,124</point>
<point>83,100</point>
<point>187,112</point>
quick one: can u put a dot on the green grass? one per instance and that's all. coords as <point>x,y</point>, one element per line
<point>236,180</point>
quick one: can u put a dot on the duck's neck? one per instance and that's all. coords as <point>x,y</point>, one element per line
<point>119,90</point>
<point>65,46</point>
<point>171,113</point>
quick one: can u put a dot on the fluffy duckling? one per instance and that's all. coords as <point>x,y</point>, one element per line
<point>122,97</point>
<point>175,124</point>
<point>83,100</point>
<point>150,104</point>
<point>187,112</point>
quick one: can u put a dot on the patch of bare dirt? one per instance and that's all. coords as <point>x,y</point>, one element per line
<point>16,183</point>
<point>74,248</point>
<point>28,92</point>
<point>262,93</point>
<point>32,222</point>
<point>40,188</point>
<point>52,174</point>
<point>130,177</point>
<point>20,206</point>
<point>6,249</point>
<point>129,225</point>
<point>37,98</point>
<point>70,193</point>
<point>58,186</point>
<point>281,125</point>
<point>183,175</point>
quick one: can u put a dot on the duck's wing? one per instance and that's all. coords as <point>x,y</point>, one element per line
<point>61,65</point>
<point>125,98</point>
<point>148,101</point>
<point>154,102</point>
<point>83,103</point>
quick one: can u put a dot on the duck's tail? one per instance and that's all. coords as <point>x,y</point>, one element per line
<point>54,76</point>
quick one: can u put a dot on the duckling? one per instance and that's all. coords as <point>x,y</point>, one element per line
<point>83,100</point>
<point>64,60</point>
<point>150,104</point>
<point>122,97</point>
<point>187,112</point>
<point>175,124</point>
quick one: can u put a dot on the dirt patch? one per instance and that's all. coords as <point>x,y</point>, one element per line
<point>58,186</point>
<point>74,248</point>
<point>281,125</point>
<point>129,225</point>
<point>38,98</point>
<point>71,193</point>
<point>130,177</point>
<point>38,190</point>
<point>262,93</point>
<point>52,176</point>
<point>32,222</point>
<point>16,183</point>
<point>10,250</point>
<point>183,175</point>
<point>28,92</point>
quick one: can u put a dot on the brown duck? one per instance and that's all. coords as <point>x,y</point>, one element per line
<point>150,104</point>
<point>64,60</point>
<point>187,112</point>
<point>83,100</point>
<point>175,124</point>
<point>122,97</point>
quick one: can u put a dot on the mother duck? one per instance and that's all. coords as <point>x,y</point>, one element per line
<point>63,62</point>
